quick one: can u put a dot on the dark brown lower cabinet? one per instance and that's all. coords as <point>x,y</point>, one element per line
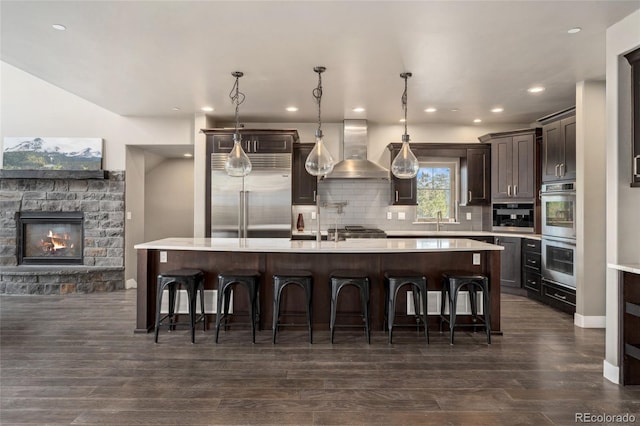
<point>630,313</point>
<point>510,270</point>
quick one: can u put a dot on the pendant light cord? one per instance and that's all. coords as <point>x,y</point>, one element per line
<point>237,97</point>
<point>317,94</point>
<point>406,76</point>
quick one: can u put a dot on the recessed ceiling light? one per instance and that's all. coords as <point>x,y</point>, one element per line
<point>535,89</point>
<point>477,120</point>
<point>187,155</point>
<point>402,120</point>
<point>59,27</point>
<point>497,109</point>
<point>175,109</point>
<point>574,30</point>
<point>207,108</point>
<point>455,109</point>
<point>358,109</point>
<point>430,109</point>
<point>292,109</point>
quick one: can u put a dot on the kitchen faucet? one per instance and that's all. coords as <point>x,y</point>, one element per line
<point>438,220</point>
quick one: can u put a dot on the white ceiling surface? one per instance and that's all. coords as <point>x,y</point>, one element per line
<point>142,58</point>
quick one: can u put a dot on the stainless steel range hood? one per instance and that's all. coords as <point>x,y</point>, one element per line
<point>355,164</point>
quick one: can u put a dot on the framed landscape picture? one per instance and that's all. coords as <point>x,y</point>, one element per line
<point>29,153</point>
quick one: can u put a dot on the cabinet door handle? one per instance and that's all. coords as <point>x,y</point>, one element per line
<point>515,190</point>
<point>533,262</point>
<point>636,160</point>
<point>314,196</point>
<point>508,190</point>
<point>396,196</point>
<point>559,296</point>
<point>531,245</point>
<point>557,173</point>
<point>255,146</point>
<point>562,169</point>
<point>469,196</point>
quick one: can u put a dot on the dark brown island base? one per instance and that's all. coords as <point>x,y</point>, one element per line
<point>430,256</point>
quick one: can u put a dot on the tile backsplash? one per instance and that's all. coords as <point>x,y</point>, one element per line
<point>368,203</point>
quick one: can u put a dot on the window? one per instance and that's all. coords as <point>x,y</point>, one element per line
<point>437,190</point>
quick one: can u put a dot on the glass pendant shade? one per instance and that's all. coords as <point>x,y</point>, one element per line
<point>319,161</point>
<point>238,163</point>
<point>405,165</point>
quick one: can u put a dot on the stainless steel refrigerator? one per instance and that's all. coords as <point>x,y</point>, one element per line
<point>259,207</point>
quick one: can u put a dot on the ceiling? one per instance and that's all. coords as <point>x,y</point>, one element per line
<point>145,58</point>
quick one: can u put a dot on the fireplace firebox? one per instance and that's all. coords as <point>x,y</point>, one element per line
<point>50,238</point>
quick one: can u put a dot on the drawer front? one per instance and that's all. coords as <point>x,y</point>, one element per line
<point>557,293</point>
<point>531,261</point>
<point>532,245</point>
<point>532,281</point>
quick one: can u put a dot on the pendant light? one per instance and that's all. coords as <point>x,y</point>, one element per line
<point>319,161</point>
<point>405,165</point>
<point>237,164</point>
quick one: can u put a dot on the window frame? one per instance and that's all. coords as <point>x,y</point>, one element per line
<point>441,162</point>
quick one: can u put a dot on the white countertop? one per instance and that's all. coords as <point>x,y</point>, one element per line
<point>356,245</point>
<point>634,268</point>
<point>444,234</point>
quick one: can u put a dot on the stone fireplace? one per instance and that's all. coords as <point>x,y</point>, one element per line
<point>50,238</point>
<point>61,233</point>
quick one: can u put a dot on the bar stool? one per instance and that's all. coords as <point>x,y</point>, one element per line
<point>191,280</point>
<point>394,280</point>
<point>281,280</point>
<point>226,281</point>
<point>452,282</point>
<point>340,279</point>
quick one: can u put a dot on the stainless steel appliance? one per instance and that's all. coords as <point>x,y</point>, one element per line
<point>355,231</point>
<point>513,217</point>
<point>559,261</point>
<point>559,233</point>
<point>559,210</point>
<point>258,207</point>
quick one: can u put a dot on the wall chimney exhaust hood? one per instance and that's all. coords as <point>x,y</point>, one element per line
<point>355,164</point>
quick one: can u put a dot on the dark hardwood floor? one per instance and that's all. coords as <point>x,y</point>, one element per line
<point>75,360</point>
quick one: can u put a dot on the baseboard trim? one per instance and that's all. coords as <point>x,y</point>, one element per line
<point>591,321</point>
<point>611,372</point>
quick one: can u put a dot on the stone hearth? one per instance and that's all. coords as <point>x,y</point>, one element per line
<point>102,202</point>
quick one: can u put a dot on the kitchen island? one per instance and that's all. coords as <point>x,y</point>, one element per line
<point>430,256</point>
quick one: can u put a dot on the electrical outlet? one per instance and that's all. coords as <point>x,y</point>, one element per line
<point>476,258</point>
<point>469,216</point>
<point>163,257</point>
<point>128,215</point>
<point>313,215</point>
<point>389,215</point>
<point>401,216</point>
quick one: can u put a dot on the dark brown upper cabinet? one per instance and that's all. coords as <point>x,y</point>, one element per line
<point>254,141</point>
<point>634,60</point>
<point>559,146</point>
<point>404,192</point>
<point>476,176</point>
<point>304,186</point>
<point>514,164</point>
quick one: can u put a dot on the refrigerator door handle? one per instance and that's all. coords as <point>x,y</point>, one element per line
<point>245,224</point>
<point>240,213</point>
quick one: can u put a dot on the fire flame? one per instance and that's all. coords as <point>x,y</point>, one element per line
<point>55,242</point>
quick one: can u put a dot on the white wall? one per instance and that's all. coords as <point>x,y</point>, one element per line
<point>33,107</point>
<point>168,200</point>
<point>623,202</point>
<point>591,202</point>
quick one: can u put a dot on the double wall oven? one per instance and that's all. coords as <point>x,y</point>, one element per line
<point>559,233</point>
